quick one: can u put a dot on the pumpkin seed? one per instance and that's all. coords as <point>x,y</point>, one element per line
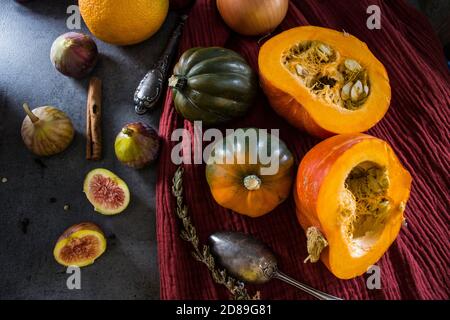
<point>301,71</point>
<point>345,93</point>
<point>352,65</point>
<point>326,50</point>
<point>366,90</point>
<point>356,92</point>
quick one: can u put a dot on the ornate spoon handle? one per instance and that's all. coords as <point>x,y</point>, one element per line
<point>152,85</point>
<point>314,292</point>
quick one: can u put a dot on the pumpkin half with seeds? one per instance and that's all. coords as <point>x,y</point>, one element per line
<point>350,195</point>
<point>324,81</point>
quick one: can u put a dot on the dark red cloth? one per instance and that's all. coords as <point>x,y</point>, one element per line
<point>416,125</point>
<point>180,4</point>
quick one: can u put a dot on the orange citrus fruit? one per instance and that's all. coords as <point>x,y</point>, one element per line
<point>123,22</point>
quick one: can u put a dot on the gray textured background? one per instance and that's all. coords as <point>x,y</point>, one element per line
<point>32,201</point>
<point>38,189</point>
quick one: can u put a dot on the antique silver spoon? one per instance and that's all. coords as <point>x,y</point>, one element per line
<point>252,261</point>
<point>152,85</point>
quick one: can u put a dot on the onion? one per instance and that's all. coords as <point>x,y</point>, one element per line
<point>253,17</point>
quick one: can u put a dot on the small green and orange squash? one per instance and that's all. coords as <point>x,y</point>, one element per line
<point>350,194</point>
<point>213,85</point>
<point>250,172</point>
<point>323,81</point>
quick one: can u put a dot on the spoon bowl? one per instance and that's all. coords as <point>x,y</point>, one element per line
<point>250,260</point>
<point>244,257</point>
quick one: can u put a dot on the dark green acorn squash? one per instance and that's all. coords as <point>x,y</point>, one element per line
<point>213,85</point>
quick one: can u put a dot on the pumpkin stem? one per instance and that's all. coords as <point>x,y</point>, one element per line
<point>252,182</point>
<point>32,116</point>
<point>177,82</point>
<point>316,242</point>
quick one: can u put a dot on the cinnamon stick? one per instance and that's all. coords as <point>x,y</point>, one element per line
<point>93,120</point>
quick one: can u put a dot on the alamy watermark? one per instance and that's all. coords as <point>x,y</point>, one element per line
<point>73,22</point>
<point>73,282</point>
<point>238,146</point>
<point>374,279</point>
<point>374,20</point>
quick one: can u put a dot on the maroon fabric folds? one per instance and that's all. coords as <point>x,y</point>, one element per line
<point>180,4</point>
<point>416,125</point>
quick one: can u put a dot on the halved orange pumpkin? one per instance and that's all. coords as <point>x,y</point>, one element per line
<point>324,81</point>
<point>350,195</point>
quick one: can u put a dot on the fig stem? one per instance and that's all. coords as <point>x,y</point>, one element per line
<point>32,116</point>
<point>127,131</point>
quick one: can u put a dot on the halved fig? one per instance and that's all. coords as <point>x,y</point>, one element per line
<point>106,191</point>
<point>80,245</point>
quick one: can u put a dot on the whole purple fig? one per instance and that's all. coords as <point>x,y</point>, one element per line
<point>74,54</point>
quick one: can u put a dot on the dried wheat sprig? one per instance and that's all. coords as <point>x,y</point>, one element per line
<point>189,234</point>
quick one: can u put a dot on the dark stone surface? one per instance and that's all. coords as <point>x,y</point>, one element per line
<point>32,201</point>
